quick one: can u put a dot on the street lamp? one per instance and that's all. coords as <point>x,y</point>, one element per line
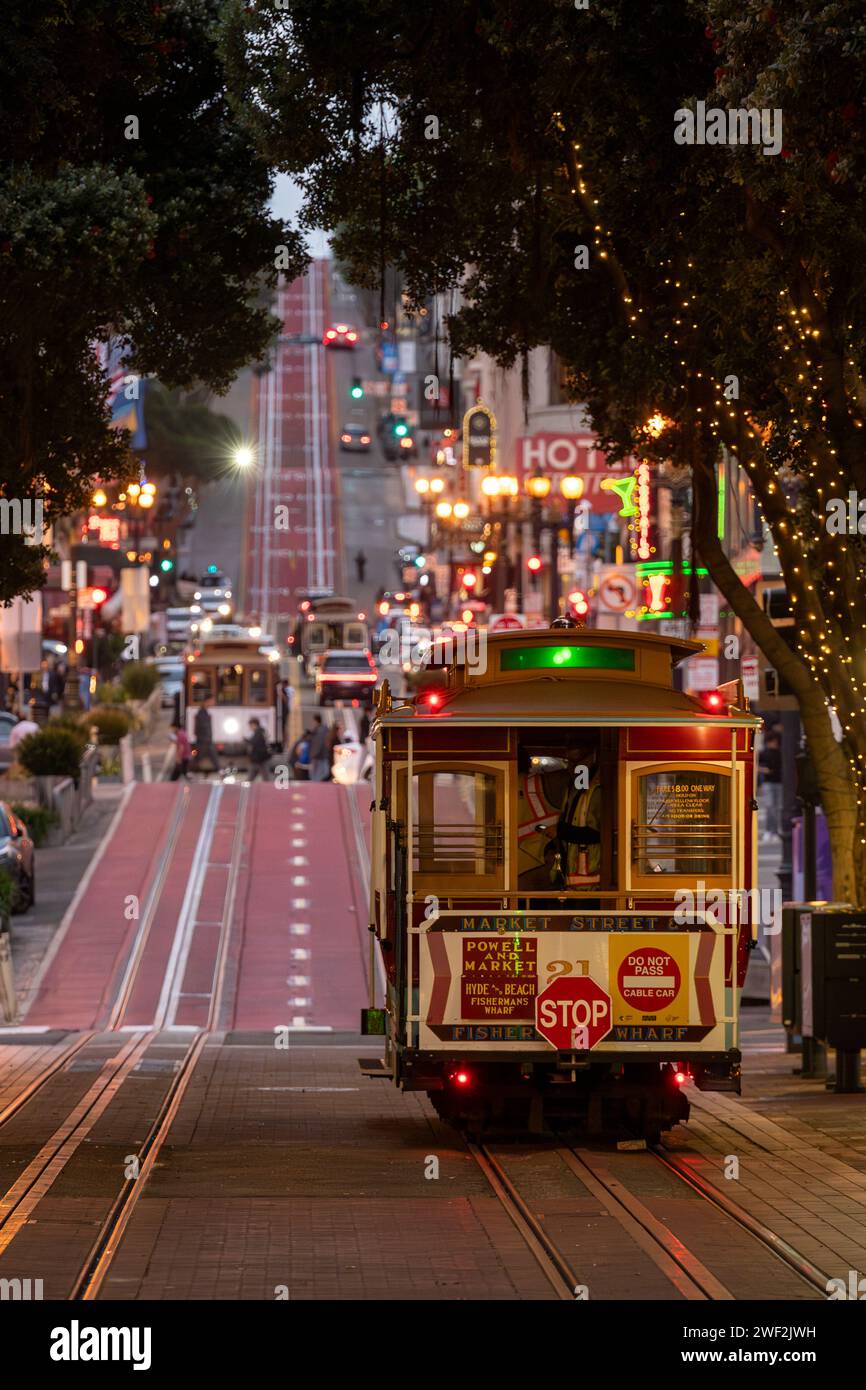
<point>243,456</point>
<point>461,510</point>
<point>538,486</point>
<point>444,510</point>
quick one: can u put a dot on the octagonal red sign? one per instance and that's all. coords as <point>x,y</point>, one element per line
<point>573,1013</point>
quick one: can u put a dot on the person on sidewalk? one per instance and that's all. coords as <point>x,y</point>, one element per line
<point>335,736</point>
<point>360,566</point>
<point>770,776</point>
<point>299,758</point>
<point>204,744</point>
<point>320,767</point>
<point>258,749</point>
<point>182,755</point>
<point>21,730</point>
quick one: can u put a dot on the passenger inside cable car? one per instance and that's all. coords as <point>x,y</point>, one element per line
<point>562,814</point>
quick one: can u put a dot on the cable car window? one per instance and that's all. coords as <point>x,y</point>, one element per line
<point>683,823</point>
<point>257,687</point>
<point>229,684</point>
<point>455,821</point>
<point>199,687</point>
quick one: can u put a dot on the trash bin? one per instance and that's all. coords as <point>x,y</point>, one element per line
<point>833,984</point>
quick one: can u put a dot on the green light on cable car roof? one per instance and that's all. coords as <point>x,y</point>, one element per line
<point>585,658</point>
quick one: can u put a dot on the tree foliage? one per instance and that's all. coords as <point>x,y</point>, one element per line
<point>163,239</point>
<point>724,287</point>
<point>185,438</point>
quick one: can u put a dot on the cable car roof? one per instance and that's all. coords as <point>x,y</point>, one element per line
<point>572,693</point>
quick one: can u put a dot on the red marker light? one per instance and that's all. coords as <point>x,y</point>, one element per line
<point>461,1078</point>
<point>681,1077</point>
<point>713,700</point>
<point>432,699</point>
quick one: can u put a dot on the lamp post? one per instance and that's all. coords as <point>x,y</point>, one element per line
<point>538,487</point>
<point>571,486</point>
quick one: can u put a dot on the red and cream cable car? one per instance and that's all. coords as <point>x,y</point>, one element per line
<point>564,848</point>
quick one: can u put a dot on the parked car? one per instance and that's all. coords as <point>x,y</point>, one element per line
<point>7,724</point>
<point>345,676</point>
<point>17,857</point>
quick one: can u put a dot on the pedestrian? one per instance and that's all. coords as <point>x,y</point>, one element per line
<point>360,566</point>
<point>363,727</point>
<point>204,744</point>
<point>299,758</point>
<point>258,750</point>
<point>770,779</point>
<point>320,767</point>
<point>182,754</point>
<point>286,701</point>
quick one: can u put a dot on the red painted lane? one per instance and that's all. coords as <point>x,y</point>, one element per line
<point>77,988</point>
<point>199,979</point>
<point>296,468</point>
<point>147,988</point>
<point>304,923</point>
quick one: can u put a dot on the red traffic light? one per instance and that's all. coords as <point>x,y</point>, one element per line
<point>469,579</point>
<point>534,563</point>
<point>98,596</point>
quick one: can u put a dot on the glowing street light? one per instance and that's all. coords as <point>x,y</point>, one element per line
<point>99,498</point>
<point>443,509</point>
<point>243,456</point>
<point>538,486</point>
<point>490,485</point>
<point>461,510</point>
<point>571,487</point>
<point>422,486</point>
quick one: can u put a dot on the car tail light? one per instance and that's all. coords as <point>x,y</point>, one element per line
<point>365,439</point>
<point>406,443</point>
<point>352,337</point>
<point>331,334</point>
<point>342,327</point>
<point>345,439</point>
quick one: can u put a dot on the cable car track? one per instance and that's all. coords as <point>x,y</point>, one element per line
<point>804,1268</point>
<point>687,1273</point>
<point>22,1199</point>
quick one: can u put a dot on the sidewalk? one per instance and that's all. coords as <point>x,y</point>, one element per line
<point>801,1151</point>
<point>59,871</point>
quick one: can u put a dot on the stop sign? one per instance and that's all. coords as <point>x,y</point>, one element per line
<point>573,1013</point>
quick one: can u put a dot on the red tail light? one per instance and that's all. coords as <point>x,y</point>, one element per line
<point>352,337</point>
<point>461,1078</point>
<point>681,1077</point>
<point>713,701</point>
<point>331,335</point>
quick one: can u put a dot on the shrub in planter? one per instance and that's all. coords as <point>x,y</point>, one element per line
<point>110,693</point>
<point>53,752</point>
<point>112,724</point>
<point>139,680</point>
<point>72,724</point>
<point>38,819</point>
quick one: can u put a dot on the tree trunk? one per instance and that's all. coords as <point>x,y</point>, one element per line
<point>832,761</point>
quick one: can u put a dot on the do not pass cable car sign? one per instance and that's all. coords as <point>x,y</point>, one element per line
<point>573,1013</point>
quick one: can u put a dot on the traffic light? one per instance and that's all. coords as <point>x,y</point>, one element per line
<point>166,565</point>
<point>98,596</point>
<point>400,426</point>
<point>533,564</point>
<point>357,389</point>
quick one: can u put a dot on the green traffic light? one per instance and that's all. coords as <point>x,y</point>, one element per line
<point>166,565</point>
<point>357,392</point>
<point>400,430</point>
